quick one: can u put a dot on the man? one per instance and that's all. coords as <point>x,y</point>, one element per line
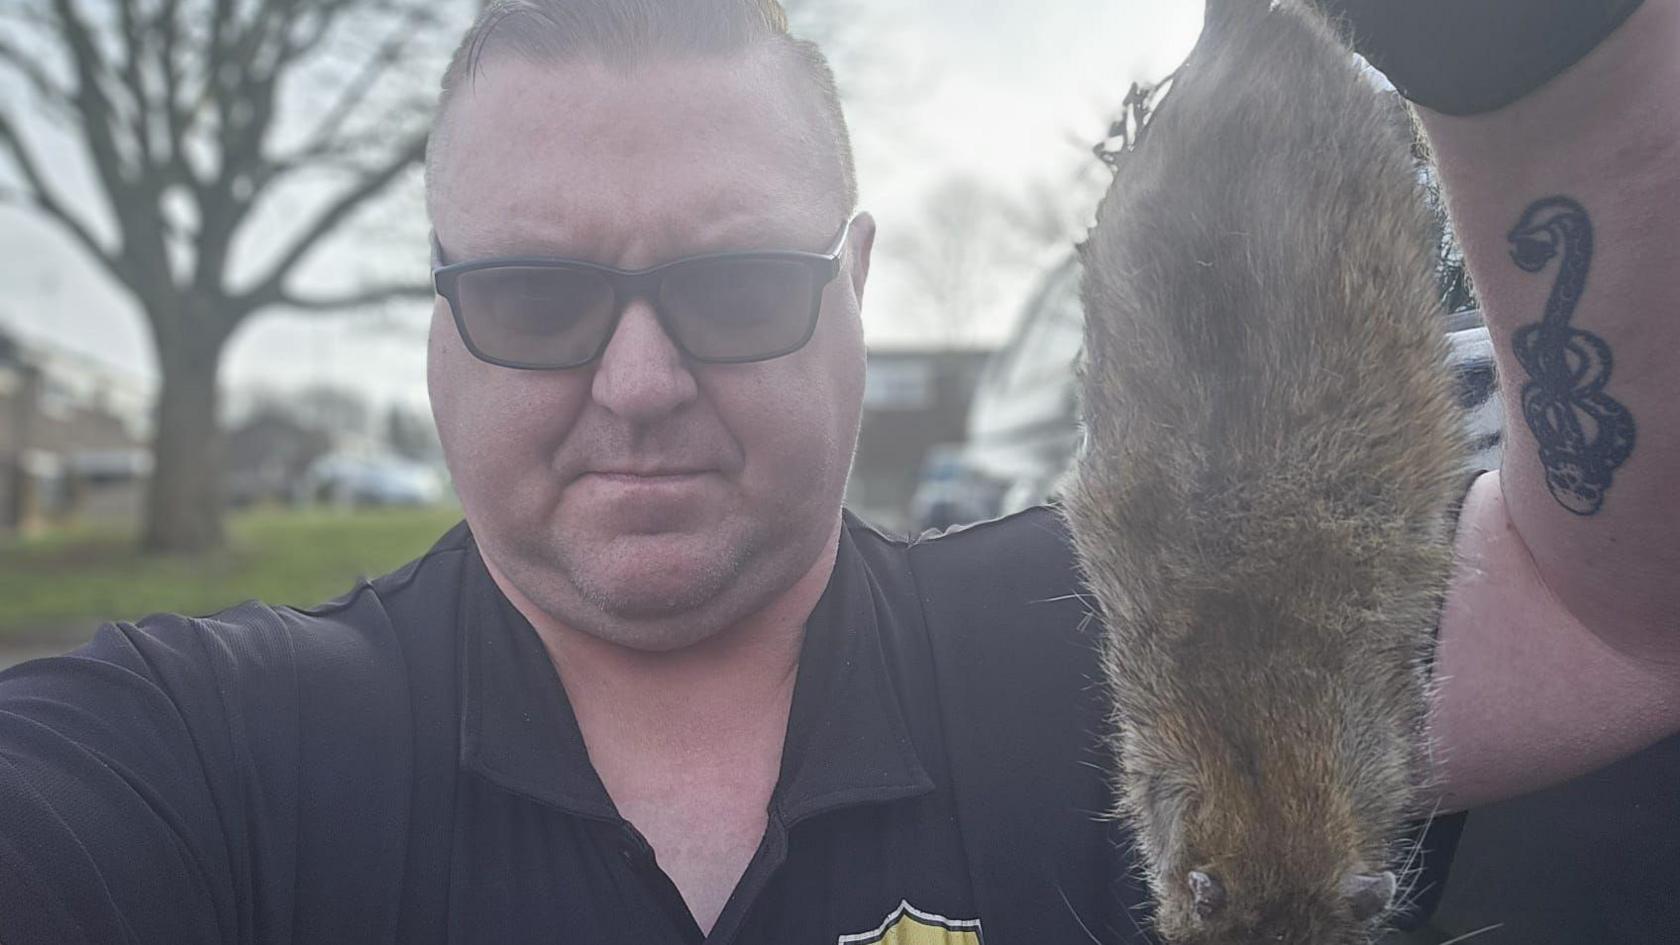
<point>662,689</point>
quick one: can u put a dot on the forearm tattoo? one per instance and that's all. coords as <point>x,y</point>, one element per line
<point>1584,433</point>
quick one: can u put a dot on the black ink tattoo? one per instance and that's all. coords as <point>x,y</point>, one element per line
<point>1584,433</point>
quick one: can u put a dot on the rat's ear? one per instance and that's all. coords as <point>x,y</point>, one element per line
<point>1206,894</point>
<point>1368,894</point>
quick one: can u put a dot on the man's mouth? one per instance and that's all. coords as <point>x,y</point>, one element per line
<point>656,474</point>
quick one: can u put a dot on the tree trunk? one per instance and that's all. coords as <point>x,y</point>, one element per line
<point>26,403</point>
<point>184,497</point>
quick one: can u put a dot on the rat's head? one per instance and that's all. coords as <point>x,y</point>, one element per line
<point>1254,904</point>
<point>1258,869</point>
<point>1256,845</point>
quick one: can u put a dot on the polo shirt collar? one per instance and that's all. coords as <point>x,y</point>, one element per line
<point>517,726</point>
<point>847,739</point>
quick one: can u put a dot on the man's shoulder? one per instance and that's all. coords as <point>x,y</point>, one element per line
<point>274,686</point>
<point>424,585</point>
<point>259,652</point>
<point>1007,624</point>
<point>196,755</point>
<point>1010,577</point>
<point>1029,547</point>
<point>374,614</point>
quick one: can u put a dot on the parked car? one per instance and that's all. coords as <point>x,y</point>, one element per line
<point>948,492</point>
<point>1023,425</point>
<point>344,479</point>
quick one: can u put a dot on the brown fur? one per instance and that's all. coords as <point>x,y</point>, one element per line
<point>1261,509</point>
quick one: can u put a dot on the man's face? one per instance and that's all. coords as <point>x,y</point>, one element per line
<point>646,499</point>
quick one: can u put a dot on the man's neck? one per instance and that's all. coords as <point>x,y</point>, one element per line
<point>703,693</point>
<point>712,693</point>
<point>688,743</point>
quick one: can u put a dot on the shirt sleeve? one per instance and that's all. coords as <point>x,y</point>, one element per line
<point>122,813</point>
<point>1463,58</point>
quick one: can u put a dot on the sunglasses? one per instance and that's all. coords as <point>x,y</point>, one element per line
<point>717,308</point>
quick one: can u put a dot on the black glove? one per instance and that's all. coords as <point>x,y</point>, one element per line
<point>1467,56</point>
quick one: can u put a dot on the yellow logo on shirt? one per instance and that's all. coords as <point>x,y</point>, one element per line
<point>908,925</point>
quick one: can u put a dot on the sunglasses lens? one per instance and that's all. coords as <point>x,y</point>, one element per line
<point>739,309</point>
<point>541,317</point>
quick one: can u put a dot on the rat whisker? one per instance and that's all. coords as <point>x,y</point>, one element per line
<point>1075,913</point>
<point>1417,845</point>
<point>1470,935</point>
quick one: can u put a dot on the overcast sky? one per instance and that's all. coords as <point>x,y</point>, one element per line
<point>1001,90</point>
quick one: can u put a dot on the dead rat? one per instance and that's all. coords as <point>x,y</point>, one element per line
<point>1262,506</point>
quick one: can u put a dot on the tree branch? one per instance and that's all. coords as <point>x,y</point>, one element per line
<point>217,53</point>
<point>348,152</point>
<point>358,298</point>
<point>241,80</point>
<point>41,197</point>
<point>244,65</point>
<point>29,66</point>
<point>175,113</point>
<point>320,140</point>
<point>90,98</point>
<point>132,196</point>
<point>134,47</point>
<point>271,288</point>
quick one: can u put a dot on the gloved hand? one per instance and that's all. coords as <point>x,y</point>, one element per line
<point>1467,56</point>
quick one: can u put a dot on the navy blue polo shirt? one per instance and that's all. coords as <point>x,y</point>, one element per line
<point>1593,860</point>
<point>402,766</point>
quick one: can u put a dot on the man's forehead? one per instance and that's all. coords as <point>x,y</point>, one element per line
<point>634,238</point>
<point>720,143</point>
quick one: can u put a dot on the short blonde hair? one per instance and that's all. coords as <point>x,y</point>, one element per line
<point>629,31</point>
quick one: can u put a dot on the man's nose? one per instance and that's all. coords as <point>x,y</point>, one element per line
<point>642,376</point>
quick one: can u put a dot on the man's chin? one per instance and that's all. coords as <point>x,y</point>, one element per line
<point>656,592</point>
<point>669,600</point>
<point>657,618</point>
<point>657,577</point>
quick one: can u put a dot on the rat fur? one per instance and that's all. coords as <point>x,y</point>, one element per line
<point>1262,506</point>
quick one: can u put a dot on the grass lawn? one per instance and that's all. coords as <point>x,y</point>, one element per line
<point>57,587</point>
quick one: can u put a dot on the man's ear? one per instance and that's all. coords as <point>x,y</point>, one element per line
<point>860,242</point>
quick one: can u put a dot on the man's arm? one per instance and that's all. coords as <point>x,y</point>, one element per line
<point>1561,639</point>
<point>111,826</point>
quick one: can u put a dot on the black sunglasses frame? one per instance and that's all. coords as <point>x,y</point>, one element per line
<point>629,284</point>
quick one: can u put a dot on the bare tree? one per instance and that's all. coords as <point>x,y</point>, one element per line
<point>957,254</point>
<point>185,110</point>
<point>973,240</point>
